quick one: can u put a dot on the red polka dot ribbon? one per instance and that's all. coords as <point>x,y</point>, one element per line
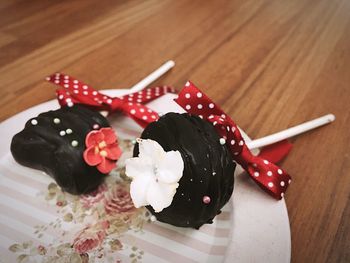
<point>267,175</point>
<point>74,91</point>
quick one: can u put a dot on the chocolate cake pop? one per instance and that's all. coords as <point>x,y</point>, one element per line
<point>74,145</point>
<point>181,171</point>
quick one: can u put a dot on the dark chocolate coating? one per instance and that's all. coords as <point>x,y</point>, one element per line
<point>208,168</point>
<point>42,147</point>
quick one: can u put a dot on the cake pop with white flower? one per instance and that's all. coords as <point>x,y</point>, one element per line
<point>180,171</point>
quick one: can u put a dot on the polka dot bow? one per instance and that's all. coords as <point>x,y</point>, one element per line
<point>74,91</point>
<point>267,175</point>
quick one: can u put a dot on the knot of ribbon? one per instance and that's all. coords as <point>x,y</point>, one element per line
<point>267,175</point>
<point>73,91</point>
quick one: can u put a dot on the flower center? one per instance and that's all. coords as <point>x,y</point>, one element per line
<point>156,172</point>
<point>103,153</point>
<point>102,145</point>
<point>99,149</point>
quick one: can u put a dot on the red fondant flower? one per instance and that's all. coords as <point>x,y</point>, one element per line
<point>102,149</point>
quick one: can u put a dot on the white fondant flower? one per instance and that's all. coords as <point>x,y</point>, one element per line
<point>155,175</point>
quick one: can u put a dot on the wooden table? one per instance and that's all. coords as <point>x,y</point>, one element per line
<point>270,64</point>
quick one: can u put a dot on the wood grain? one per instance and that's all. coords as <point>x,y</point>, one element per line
<point>270,64</point>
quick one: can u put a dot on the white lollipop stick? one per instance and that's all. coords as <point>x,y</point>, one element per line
<point>153,76</point>
<point>288,133</point>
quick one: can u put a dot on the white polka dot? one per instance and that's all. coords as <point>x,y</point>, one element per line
<point>282,194</point>
<point>139,96</point>
<point>215,122</point>
<point>148,97</point>
<point>187,84</point>
<point>109,101</point>
<point>289,181</point>
<point>75,81</point>
<point>200,116</point>
<point>85,87</point>
<point>62,133</point>
<point>222,141</point>
<point>233,129</point>
<point>270,184</point>
<point>223,116</point>
<point>211,105</point>
<point>57,81</point>
<point>76,91</point>
<point>187,95</point>
<point>282,183</point>
<point>68,100</point>
<point>129,99</point>
<point>269,173</point>
<point>48,78</point>
<point>130,103</point>
<point>66,81</point>
<point>66,85</point>
<point>34,122</point>
<point>56,120</point>
<point>241,143</point>
<point>133,111</point>
<point>70,104</point>
<point>228,128</point>
<point>85,93</point>
<point>279,171</point>
<point>199,95</point>
<point>75,86</point>
<point>256,174</point>
<point>236,153</point>
<point>60,96</point>
<point>74,143</point>
<point>69,131</point>
<point>188,107</point>
<point>94,93</point>
<point>149,110</point>
<point>66,77</point>
<point>200,106</point>
<point>139,100</point>
<point>144,117</point>
<point>211,116</point>
<point>153,117</point>
<point>233,142</point>
<point>255,165</point>
<point>142,110</point>
<point>266,162</point>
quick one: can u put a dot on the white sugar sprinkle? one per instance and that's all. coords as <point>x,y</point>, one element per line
<point>222,141</point>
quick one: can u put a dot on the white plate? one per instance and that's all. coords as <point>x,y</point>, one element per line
<point>258,226</point>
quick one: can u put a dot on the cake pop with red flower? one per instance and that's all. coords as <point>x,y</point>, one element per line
<point>74,145</point>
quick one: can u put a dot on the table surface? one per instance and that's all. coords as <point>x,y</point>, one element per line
<point>270,64</point>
